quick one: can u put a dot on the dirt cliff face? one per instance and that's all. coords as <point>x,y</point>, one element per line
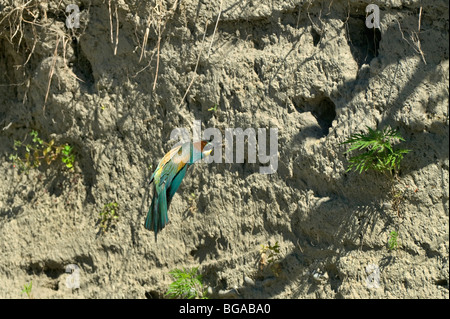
<point>116,86</point>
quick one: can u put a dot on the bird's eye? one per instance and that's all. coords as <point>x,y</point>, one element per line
<point>208,147</point>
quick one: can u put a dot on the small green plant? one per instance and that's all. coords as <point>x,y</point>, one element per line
<point>108,217</point>
<point>187,285</point>
<point>67,157</point>
<point>37,151</point>
<point>393,240</point>
<point>379,153</point>
<point>269,255</point>
<point>214,108</point>
<point>27,289</point>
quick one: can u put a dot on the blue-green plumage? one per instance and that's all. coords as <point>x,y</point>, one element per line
<point>166,180</point>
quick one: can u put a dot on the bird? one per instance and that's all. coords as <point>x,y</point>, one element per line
<point>167,178</point>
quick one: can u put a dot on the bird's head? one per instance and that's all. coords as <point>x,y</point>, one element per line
<point>200,150</point>
<point>206,148</point>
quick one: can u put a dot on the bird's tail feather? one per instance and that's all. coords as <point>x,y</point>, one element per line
<point>157,217</point>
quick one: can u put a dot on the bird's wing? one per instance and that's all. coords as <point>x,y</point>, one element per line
<point>176,181</point>
<point>170,165</point>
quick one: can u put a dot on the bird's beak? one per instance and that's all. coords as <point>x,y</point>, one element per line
<point>207,152</point>
<point>207,149</point>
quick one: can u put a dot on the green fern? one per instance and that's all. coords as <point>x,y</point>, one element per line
<point>379,153</point>
<point>187,284</point>
<point>27,289</point>
<point>393,240</point>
